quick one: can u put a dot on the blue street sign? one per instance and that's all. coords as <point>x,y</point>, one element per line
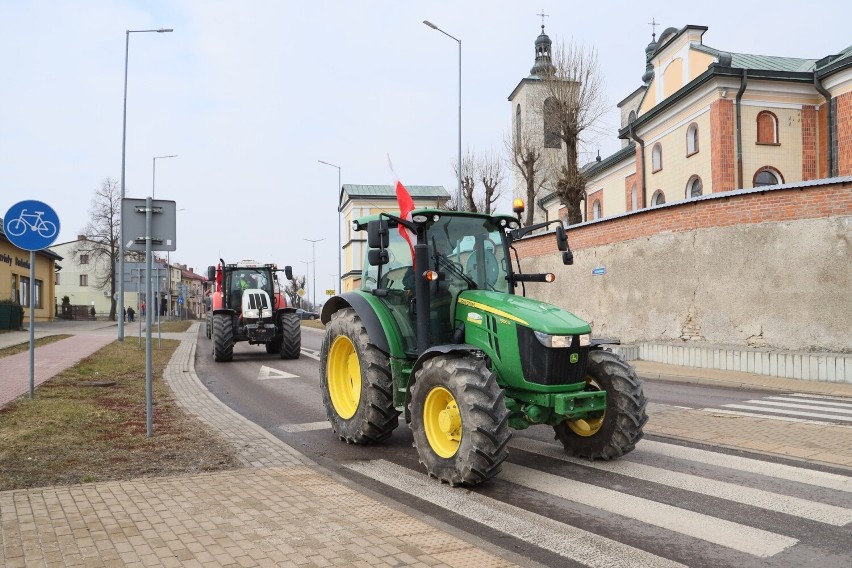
<point>31,225</point>
<point>180,300</point>
<point>599,271</point>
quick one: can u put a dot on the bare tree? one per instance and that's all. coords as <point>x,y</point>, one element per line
<point>489,170</point>
<point>291,289</point>
<point>102,233</point>
<point>575,101</point>
<point>468,178</point>
<point>526,153</point>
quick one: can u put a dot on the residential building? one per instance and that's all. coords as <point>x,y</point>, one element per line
<point>15,278</point>
<point>358,201</point>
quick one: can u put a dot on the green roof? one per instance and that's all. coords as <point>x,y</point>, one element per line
<point>772,63</point>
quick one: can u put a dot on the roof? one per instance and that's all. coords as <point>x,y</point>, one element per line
<point>758,62</point>
<point>354,191</point>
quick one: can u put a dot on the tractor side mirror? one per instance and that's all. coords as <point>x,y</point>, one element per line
<point>567,257</point>
<point>377,257</point>
<point>288,272</point>
<point>561,238</point>
<point>211,273</point>
<point>377,235</point>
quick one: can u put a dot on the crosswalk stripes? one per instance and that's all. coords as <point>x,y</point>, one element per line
<point>803,508</point>
<point>749,535</point>
<point>567,541</point>
<point>797,407</point>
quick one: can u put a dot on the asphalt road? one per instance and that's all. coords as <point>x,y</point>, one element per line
<point>665,504</point>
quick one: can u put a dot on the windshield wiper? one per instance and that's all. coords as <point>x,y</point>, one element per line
<point>441,258</point>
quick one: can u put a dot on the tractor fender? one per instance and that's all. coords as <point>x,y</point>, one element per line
<point>364,310</point>
<point>429,354</point>
<point>223,311</point>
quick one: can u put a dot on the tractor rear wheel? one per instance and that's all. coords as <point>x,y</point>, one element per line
<point>616,432</point>
<point>223,337</point>
<point>459,420</point>
<point>291,336</point>
<point>356,383</point>
<point>274,346</point>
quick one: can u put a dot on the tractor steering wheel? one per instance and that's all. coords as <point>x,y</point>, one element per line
<point>491,267</point>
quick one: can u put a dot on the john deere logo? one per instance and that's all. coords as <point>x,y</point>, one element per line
<point>574,357</point>
<point>474,318</point>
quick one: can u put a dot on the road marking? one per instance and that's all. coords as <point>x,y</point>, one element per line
<point>742,538</point>
<point>748,465</point>
<point>806,404</point>
<point>814,511</point>
<point>267,373</point>
<point>771,417</point>
<point>311,353</point>
<point>305,426</point>
<point>567,541</point>
<point>782,411</point>
<point>823,397</point>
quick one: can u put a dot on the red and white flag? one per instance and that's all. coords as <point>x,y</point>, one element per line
<point>406,206</point>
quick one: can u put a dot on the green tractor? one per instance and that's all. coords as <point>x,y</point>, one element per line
<point>449,342</point>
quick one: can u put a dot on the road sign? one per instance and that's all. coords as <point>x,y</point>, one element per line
<point>601,270</point>
<point>329,292</point>
<point>31,225</point>
<point>163,224</point>
<point>301,292</point>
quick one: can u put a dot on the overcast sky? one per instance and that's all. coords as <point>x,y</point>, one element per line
<point>250,94</point>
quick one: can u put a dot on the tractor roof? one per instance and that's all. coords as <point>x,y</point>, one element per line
<point>361,222</point>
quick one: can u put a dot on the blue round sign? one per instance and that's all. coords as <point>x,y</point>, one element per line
<point>31,225</point>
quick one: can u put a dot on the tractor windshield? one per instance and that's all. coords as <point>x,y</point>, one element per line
<point>470,252</point>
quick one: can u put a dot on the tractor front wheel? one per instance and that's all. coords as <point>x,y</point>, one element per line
<point>459,420</point>
<point>356,383</point>
<point>291,336</point>
<point>616,432</point>
<point>223,337</point>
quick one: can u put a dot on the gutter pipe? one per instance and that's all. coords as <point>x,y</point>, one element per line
<point>822,90</point>
<point>743,85</point>
<point>641,143</point>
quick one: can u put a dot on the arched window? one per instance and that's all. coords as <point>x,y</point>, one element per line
<point>658,198</point>
<point>631,117</point>
<point>634,198</point>
<point>551,124</point>
<point>767,175</point>
<point>518,124</point>
<point>694,188</point>
<point>692,139</point>
<point>767,128</point>
<point>657,158</point>
<point>596,209</point>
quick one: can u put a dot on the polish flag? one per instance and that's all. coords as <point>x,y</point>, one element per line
<point>406,206</point>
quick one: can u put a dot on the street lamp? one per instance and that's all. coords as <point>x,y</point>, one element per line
<point>123,148</point>
<point>459,194</point>
<point>339,246</point>
<point>314,260</point>
<point>154,176</point>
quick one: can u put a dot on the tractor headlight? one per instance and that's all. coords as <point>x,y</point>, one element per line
<point>553,340</point>
<point>585,340</point>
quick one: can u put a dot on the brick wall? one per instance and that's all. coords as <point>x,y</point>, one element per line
<point>628,190</point>
<point>809,142</point>
<point>723,151</point>
<point>844,134</point>
<point>822,140</point>
<point>710,212</point>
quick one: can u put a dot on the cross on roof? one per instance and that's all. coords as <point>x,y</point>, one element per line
<point>653,23</point>
<point>543,16</point>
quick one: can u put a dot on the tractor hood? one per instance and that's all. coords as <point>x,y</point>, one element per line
<point>256,304</point>
<point>534,314</point>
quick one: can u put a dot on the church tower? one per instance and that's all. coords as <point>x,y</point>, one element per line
<point>527,102</point>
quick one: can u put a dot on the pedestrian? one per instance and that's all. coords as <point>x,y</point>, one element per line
<point>124,317</point>
<point>143,309</point>
<point>130,313</point>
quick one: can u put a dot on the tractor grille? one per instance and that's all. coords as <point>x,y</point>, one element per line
<point>550,366</point>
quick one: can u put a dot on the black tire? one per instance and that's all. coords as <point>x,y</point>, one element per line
<point>223,337</point>
<point>273,346</point>
<point>291,337</point>
<point>624,418</point>
<point>483,420</point>
<point>368,415</point>
<point>209,326</point>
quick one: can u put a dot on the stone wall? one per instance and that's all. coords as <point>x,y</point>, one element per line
<point>762,268</point>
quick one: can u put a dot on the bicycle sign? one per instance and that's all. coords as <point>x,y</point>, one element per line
<point>31,225</point>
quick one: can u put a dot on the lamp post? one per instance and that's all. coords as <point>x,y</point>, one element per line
<point>314,260</point>
<point>434,27</point>
<point>339,245</point>
<point>123,148</point>
<point>154,176</point>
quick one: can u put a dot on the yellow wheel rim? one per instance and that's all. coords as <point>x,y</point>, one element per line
<point>442,422</point>
<point>344,377</point>
<point>587,427</point>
